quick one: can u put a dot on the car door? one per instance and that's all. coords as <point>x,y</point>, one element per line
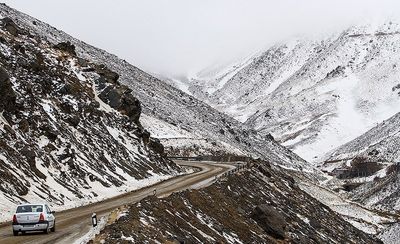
<point>50,216</point>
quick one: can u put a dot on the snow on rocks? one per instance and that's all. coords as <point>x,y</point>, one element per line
<point>314,95</point>
<point>364,219</point>
<point>164,102</point>
<point>391,235</point>
<point>378,149</point>
<point>216,214</point>
<point>69,130</point>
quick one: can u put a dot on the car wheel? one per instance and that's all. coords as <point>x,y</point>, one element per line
<point>47,231</point>
<point>53,229</point>
<point>15,233</point>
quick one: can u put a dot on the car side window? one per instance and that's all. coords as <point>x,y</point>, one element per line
<point>48,209</point>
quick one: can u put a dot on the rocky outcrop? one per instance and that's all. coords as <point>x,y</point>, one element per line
<point>156,146</point>
<point>121,98</point>
<point>107,75</point>
<point>67,47</point>
<point>7,94</point>
<point>10,26</point>
<point>116,95</point>
<point>270,220</point>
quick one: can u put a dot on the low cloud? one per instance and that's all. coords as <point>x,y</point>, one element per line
<point>181,37</point>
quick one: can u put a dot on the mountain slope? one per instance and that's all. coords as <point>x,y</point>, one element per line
<point>161,102</point>
<point>314,95</point>
<point>381,142</point>
<point>258,205</point>
<point>379,146</point>
<point>69,131</point>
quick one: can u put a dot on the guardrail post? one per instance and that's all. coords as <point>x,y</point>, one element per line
<point>94,220</point>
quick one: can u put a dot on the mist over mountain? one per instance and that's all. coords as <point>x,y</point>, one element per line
<point>312,95</point>
<point>199,34</point>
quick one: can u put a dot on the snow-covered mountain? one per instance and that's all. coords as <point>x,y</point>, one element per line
<point>378,154</point>
<point>381,142</point>
<point>75,120</point>
<point>314,95</point>
<point>69,131</point>
<point>178,119</point>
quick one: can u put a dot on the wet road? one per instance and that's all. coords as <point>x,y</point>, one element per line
<point>74,223</point>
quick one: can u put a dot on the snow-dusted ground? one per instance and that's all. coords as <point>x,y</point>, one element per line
<point>184,141</point>
<point>313,95</point>
<point>383,138</point>
<point>163,130</point>
<point>213,78</point>
<point>93,232</point>
<point>359,216</point>
<point>225,213</point>
<point>348,122</point>
<point>64,144</point>
<point>166,103</point>
<point>391,235</point>
<point>8,207</point>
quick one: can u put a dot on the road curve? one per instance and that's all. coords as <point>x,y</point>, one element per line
<point>74,223</point>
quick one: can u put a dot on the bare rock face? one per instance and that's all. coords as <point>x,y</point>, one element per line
<point>67,47</point>
<point>130,106</point>
<point>121,98</point>
<point>7,95</point>
<point>6,175</point>
<point>156,145</point>
<point>107,75</point>
<point>11,27</point>
<point>116,95</point>
<point>270,220</point>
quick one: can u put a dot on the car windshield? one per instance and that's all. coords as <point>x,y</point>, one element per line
<point>30,209</point>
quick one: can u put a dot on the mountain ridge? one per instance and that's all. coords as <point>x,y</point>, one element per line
<point>304,91</point>
<point>170,105</point>
<point>69,131</point>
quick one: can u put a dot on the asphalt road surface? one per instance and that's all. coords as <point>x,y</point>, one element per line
<point>74,223</point>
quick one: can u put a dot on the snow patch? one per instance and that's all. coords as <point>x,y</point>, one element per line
<point>93,232</point>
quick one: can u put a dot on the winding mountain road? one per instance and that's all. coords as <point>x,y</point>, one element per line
<point>74,223</point>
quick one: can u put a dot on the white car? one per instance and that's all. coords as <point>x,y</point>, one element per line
<point>33,217</point>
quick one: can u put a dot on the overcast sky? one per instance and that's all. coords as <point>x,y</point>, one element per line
<point>181,37</point>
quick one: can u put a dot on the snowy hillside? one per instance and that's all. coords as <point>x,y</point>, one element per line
<point>381,142</point>
<point>380,145</point>
<point>164,103</point>
<point>69,131</point>
<point>314,95</point>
